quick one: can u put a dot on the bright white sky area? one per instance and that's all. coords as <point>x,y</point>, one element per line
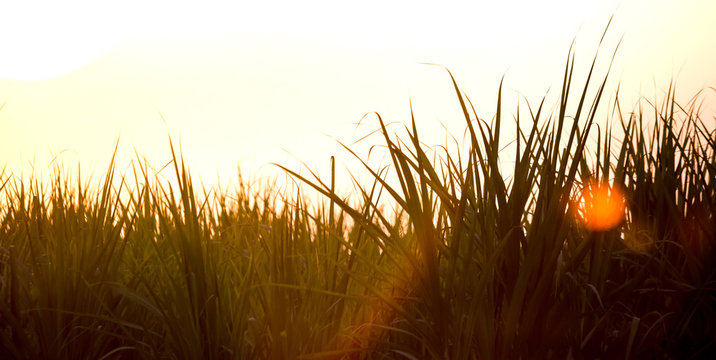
<point>249,83</point>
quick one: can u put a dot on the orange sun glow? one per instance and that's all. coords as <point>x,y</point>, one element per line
<point>601,206</point>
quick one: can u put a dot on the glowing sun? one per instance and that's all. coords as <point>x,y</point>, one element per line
<point>601,206</point>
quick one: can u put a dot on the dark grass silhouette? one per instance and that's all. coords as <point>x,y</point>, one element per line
<point>470,266</point>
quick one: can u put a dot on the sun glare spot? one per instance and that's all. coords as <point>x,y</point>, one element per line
<point>601,206</point>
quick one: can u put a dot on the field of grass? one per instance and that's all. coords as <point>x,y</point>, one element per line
<point>480,261</point>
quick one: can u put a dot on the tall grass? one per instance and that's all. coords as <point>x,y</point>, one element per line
<point>471,265</point>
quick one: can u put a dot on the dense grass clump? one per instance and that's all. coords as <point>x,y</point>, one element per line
<point>471,265</point>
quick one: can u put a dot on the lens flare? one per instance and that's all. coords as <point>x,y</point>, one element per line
<point>601,206</point>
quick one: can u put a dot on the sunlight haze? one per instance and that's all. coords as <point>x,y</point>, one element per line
<point>251,84</point>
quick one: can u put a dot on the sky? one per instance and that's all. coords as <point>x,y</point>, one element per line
<point>246,84</point>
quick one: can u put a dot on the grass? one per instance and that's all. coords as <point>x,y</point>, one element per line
<point>478,261</point>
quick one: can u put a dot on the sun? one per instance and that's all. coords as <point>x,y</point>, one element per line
<point>601,206</point>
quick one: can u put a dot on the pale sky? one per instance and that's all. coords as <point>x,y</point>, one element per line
<point>259,82</point>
